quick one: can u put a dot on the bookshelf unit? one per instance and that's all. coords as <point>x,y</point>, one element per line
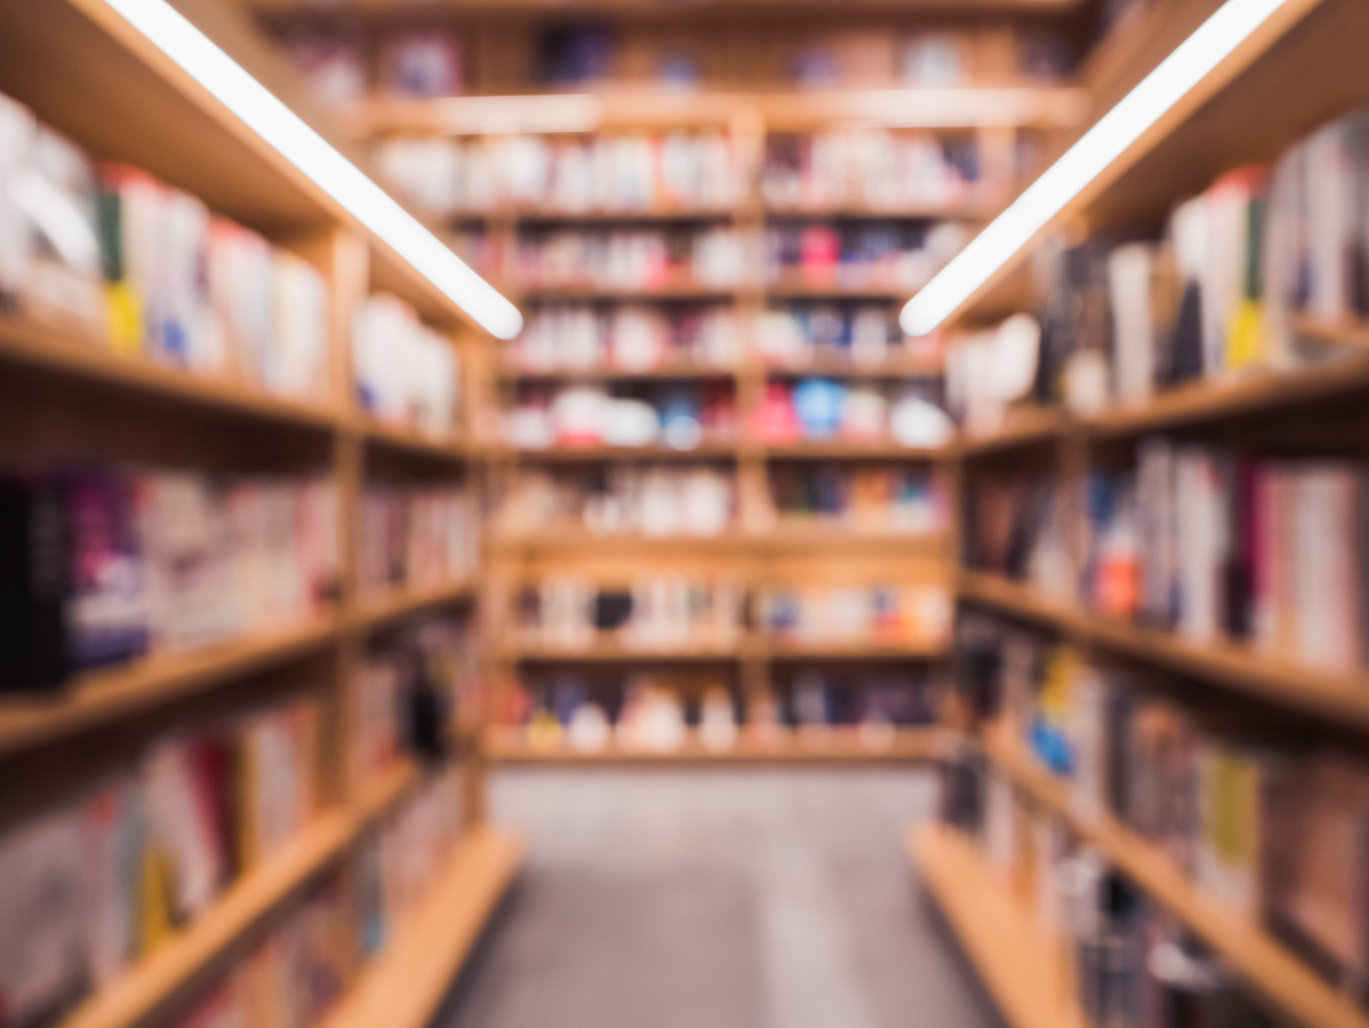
<point>748,101</point>
<point>67,397</point>
<point>1287,81</point>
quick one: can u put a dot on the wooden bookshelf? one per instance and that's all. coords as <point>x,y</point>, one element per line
<point>680,371</point>
<point>840,747</point>
<point>168,973</point>
<point>69,398</point>
<point>1023,970</point>
<point>404,987</point>
<point>1272,972</point>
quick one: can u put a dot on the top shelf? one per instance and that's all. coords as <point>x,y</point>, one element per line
<point>948,109</point>
<point>89,73</point>
<point>655,9</point>
<point>1301,69</point>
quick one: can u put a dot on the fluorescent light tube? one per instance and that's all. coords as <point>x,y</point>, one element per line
<point>1011,231</point>
<point>284,130</point>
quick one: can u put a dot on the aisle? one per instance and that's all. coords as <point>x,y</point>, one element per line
<point>716,900</point>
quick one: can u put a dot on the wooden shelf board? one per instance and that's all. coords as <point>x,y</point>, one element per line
<point>1253,393</point>
<point>380,611</point>
<point>1280,978</point>
<point>1021,969</point>
<point>1019,599</point>
<point>872,650</point>
<point>1023,426</point>
<point>957,211</point>
<point>704,451</point>
<point>103,696</point>
<point>617,653</point>
<point>406,984</point>
<point>669,372</point>
<point>643,294</point>
<point>798,534</point>
<point>787,288</point>
<point>410,440</point>
<point>947,109</point>
<point>848,449</point>
<point>161,977</point>
<point>509,746</point>
<point>78,352</point>
<point>1341,696</point>
<point>837,367</point>
<point>649,9</point>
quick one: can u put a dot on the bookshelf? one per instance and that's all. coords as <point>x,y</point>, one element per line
<point>1041,616</point>
<point>69,398</point>
<point>747,102</point>
<point>1286,982</point>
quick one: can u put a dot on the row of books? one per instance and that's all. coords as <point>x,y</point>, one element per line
<point>821,409</point>
<point>899,257</point>
<point>880,497</point>
<point>1016,526</point>
<point>400,863</point>
<point>618,174</point>
<point>294,976</point>
<point>411,62</point>
<point>649,713</point>
<point>679,416</point>
<point>1130,963</point>
<point>1219,545</point>
<point>405,373</point>
<point>91,886</point>
<point>617,499</point>
<point>1274,831</point>
<point>344,63</point>
<point>866,169</point>
<point>711,257</point>
<point>631,337</point>
<point>636,337</point>
<point>313,957</point>
<point>863,334</point>
<point>655,611</point>
<point>854,615</point>
<point>416,538</point>
<point>105,564</point>
<point>409,691</point>
<point>871,169</point>
<point>150,270</point>
<point>1224,290</point>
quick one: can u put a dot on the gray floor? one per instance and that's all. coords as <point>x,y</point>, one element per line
<point>742,899</point>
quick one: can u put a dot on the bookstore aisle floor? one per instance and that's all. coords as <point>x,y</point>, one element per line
<point>729,900</point>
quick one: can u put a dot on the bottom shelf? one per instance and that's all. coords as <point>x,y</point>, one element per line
<point>407,983</point>
<point>510,746</point>
<point>1023,971</point>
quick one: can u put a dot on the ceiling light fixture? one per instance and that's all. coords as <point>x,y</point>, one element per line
<point>262,112</point>
<point>1013,230</point>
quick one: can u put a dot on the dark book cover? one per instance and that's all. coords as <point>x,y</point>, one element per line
<point>33,584</point>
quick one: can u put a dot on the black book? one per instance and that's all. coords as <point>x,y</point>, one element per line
<point>34,544</point>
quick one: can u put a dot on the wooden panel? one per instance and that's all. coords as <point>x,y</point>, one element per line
<point>1022,970</point>
<point>105,696</point>
<point>1273,973</point>
<point>509,746</point>
<point>405,985</point>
